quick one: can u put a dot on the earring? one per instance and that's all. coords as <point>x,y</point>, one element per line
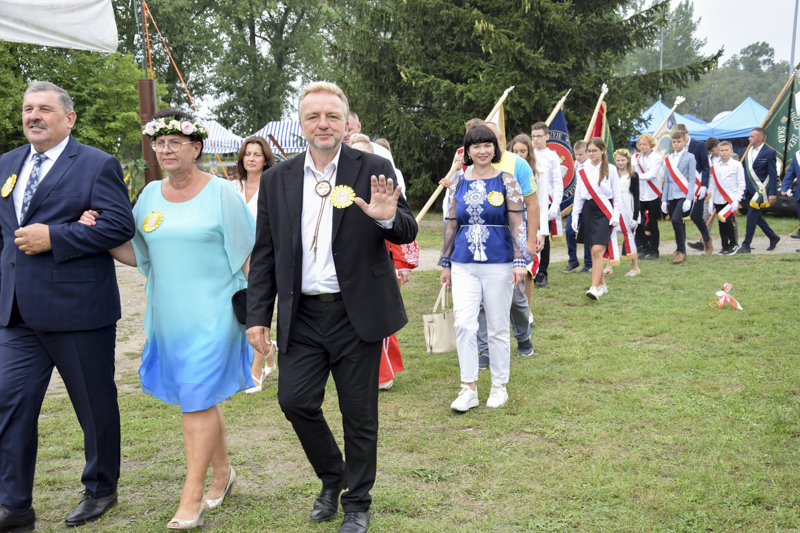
<point>467,160</point>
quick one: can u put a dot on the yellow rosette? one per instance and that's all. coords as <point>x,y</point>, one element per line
<point>152,221</point>
<point>9,185</point>
<point>342,196</point>
<point>496,198</point>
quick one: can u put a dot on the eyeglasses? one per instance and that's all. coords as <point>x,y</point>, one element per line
<point>174,146</point>
<point>537,137</point>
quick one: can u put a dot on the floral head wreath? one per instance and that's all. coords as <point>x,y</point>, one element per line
<point>167,126</point>
<point>624,152</point>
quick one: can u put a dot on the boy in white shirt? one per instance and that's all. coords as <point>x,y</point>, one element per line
<point>548,165</point>
<point>726,183</point>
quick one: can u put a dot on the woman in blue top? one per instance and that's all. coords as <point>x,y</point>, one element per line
<point>194,235</point>
<point>484,258</point>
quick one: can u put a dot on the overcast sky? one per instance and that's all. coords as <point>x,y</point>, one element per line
<point>737,23</point>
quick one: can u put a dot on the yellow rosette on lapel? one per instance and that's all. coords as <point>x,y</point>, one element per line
<point>152,221</point>
<point>342,196</point>
<point>8,186</point>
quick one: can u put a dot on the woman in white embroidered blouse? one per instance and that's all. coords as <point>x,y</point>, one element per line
<point>593,212</point>
<point>255,156</point>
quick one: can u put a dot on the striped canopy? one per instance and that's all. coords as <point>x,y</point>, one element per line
<point>221,138</point>
<point>288,133</point>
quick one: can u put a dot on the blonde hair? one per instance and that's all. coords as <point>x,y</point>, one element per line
<point>627,155</point>
<point>727,144</point>
<point>580,145</point>
<point>360,138</point>
<point>383,142</point>
<point>324,87</point>
<point>647,137</point>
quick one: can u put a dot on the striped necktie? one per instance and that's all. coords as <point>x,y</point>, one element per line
<point>33,182</point>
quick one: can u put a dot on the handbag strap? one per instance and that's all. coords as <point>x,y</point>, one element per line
<point>441,299</point>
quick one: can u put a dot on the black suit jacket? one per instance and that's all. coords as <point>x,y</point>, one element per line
<point>700,152</point>
<point>363,267</point>
<point>73,287</point>
<point>766,170</point>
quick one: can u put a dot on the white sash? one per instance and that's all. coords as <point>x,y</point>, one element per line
<point>761,191</point>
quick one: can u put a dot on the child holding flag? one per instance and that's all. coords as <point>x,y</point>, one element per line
<point>725,188</point>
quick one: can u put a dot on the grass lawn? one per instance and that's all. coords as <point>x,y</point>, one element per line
<point>646,411</point>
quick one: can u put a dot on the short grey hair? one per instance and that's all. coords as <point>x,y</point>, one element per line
<point>354,115</point>
<point>63,97</point>
<point>324,87</point>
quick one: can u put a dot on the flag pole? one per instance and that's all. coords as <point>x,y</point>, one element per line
<point>771,109</point>
<point>679,100</point>
<point>457,164</point>
<point>603,91</point>
<point>559,106</point>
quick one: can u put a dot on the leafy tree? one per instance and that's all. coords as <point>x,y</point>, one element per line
<point>12,85</point>
<point>415,70</point>
<point>268,47</point>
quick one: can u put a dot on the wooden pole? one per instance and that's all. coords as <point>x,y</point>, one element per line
<point>603,92</point>
<point>456,166</point>
<point>557,108</point>
<point>278,146</point>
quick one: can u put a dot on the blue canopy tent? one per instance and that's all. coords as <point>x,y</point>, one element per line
<point>656,113</point>
<point>739,122</point>
<point>224,140</point>
<point>695,119</point>
<point>288,133</point>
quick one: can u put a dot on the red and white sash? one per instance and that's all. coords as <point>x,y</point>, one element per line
<point>677,176</point>
<point>612,252</point>
<point>556,227</point>
<point>698,182</point>
<point>728,211</point>
<point>654,184</point>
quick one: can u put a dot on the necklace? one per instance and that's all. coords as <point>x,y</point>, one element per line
<point>323,189</point>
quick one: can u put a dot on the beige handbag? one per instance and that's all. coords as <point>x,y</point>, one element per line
<point>440,333</point>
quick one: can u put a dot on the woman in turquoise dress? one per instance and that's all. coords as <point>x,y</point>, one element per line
<point>194,235</point>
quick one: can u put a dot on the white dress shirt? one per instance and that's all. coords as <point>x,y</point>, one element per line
<point>319,274</point>
<point>548,164</point>
<point>731,178</point>
<point>651,164</point>
<point>22,180</point>
<point>608,188</point>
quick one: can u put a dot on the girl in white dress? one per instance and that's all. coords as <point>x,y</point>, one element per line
<point>629,188</point>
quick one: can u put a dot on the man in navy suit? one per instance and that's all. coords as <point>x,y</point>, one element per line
<point>59,302</point>
<point>789,181</point>
<point>761,188</point>
<point>700,152</point>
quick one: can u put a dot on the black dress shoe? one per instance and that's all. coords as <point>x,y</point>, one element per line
<point>90,508</point>
<point>327,503</point>
<point>541,280</point>
<point>641,254</point>
<point>773,244</point>
<point>744,249</point>
<point>355,522</point>
<point>585,270</point>
<point>651,256</point>
<point>17,523</point>
<point>796,235</point>
<point>696,245</point>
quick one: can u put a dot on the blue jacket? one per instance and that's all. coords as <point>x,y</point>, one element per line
<point>765,169</point>
<point>700,152</point>
<point>686,166</point>
<point>73,287</point>
<point>792,173</point>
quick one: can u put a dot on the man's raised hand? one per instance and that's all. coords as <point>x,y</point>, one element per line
<point>383,203</point>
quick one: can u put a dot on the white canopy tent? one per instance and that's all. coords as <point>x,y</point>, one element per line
<point>81,24</point>
<point>221,138</point>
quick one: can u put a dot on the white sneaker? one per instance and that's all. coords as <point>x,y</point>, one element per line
<point>592,293</point>
<point>602,290</point>
<point>467,399</point>
<point>498,397</point>
<point>386,386</point>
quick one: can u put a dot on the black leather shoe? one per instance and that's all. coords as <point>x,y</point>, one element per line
<point>327,503</point>
<point>90,509</point>
<point>541,280</point>
<point>796,235</point>
<point>652,256</point>
<point>773,244</point>
<point>744,249</point>
<point>585,270</point>
<point>17,523</point>
<point>696,245</point>
<point>355,522</point>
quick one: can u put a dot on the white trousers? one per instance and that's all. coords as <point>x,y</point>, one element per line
<point>489,283</point>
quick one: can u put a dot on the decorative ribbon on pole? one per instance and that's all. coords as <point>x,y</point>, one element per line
<point>679,100</point>
<point>457,165</point>
<point>724,298</point>
<point>603,91</point>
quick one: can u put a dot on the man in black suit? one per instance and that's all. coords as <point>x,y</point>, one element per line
<point>761,191</point>
<point>59,302</point>
<point>323,217</point>
<point>700,152</point>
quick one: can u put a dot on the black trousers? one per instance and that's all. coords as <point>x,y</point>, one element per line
<point>699,219</point>
<point>647,232</point>
<point>323,342</point>
<point>727,229</point>
<point>85,361</point>
<point>675,208</point>
<point>756,218</point>
<point>544,255</point>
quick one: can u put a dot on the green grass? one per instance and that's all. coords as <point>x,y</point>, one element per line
<point>646,411</point>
